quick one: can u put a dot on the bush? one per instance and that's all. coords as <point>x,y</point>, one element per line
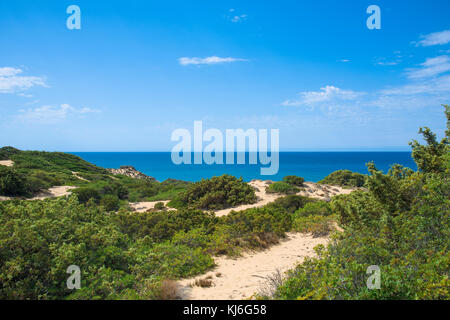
<point>294,180</point>
<point>85,194</point>
<point>12,183</point>
<point>282,187</point>
<point>110,202</point>
<point>159,206</point>
<point>319,226</point>
<point>215,193</point>
<point>314,208</point>
<point>291,202</point>
<point>345,178</point>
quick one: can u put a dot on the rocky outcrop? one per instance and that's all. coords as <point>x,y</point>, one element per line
<point>131,172</point>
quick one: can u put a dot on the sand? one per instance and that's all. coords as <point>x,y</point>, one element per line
<point>7,163</point>
<point>311,189</point>
<point>144,206</point>
<point>54,192</point>
<point>261,194</point>
<point>323,191</point>
<point>75,174</point>
<point>242,277</point>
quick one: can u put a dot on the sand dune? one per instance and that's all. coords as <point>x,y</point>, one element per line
<point>242,277</point>
<point>310,189</point>
<point>144,206</point>
<point>7,163</point>
<point>54,192</point>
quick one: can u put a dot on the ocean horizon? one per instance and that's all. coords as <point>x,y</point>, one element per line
<point>313,166</point>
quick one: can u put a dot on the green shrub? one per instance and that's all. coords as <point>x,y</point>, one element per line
<point>110,202</point>
<point>215,193</point>
<point>345,178</point>
<point>294,180</point>
<point>282,187</point>
<point>291,202</point>
<point>12,183</point>
<point>314,208</point>
<point>159,206</point>
<point>319,226</point>
<point>85,194</point>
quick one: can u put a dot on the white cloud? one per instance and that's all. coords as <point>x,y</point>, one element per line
<point>184,61</point>
<point>344,60</point>
<point>435,38</point>
<point>238,18</point>
<point>51,114</point>
<point>434,86</point>
<point>11,82</point>
<point>326,94</point>
<point>431,67</point>
<point>387,63</point>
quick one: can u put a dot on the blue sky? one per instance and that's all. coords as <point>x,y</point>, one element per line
<point>137,70</point>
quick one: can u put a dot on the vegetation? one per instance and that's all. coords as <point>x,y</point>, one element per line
<point>345,178</point>
<point>215,193</point>
<point>34,171</point>
<point>282,187</point>
<point>294,180</point>
<point>401,225</point>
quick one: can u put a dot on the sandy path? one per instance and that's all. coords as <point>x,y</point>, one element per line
<point>7,163</point>
<point>242,277</point>
<point>144,206</point>
<point>75,174</point>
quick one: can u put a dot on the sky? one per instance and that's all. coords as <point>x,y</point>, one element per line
<point>137,70</point>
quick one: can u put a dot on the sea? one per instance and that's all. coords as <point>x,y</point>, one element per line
<point>313,166</point>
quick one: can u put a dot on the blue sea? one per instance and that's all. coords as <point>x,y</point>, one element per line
<point>313,166</point>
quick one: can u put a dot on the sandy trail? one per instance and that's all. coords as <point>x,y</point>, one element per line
<point>242,277</point>
<point>144,206</point>
<point>75,174</point>
<point>7,163</point>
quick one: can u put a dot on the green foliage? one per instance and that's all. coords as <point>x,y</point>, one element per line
<point>344,178</point>
<point>12,183</point>
<point>110,202</point>
<point>430,157</point>
<point>159,206</point>
<point>402,224</point>
<point>314,208</point>
<point>282,187</point>
<point>319,226</point>
<point>215,193</point>
<point>294,180</point>
<point>86,194</point>
<point>291,203</point>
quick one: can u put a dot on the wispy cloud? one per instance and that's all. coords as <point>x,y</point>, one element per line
<point>435,38</point>
<point>431,67</point>
<point>184,61</point>
<point>344,60</point>
<point>234,17</point>
<point>51,114</point>
<point>326,94</point>
<point>12,82</point>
